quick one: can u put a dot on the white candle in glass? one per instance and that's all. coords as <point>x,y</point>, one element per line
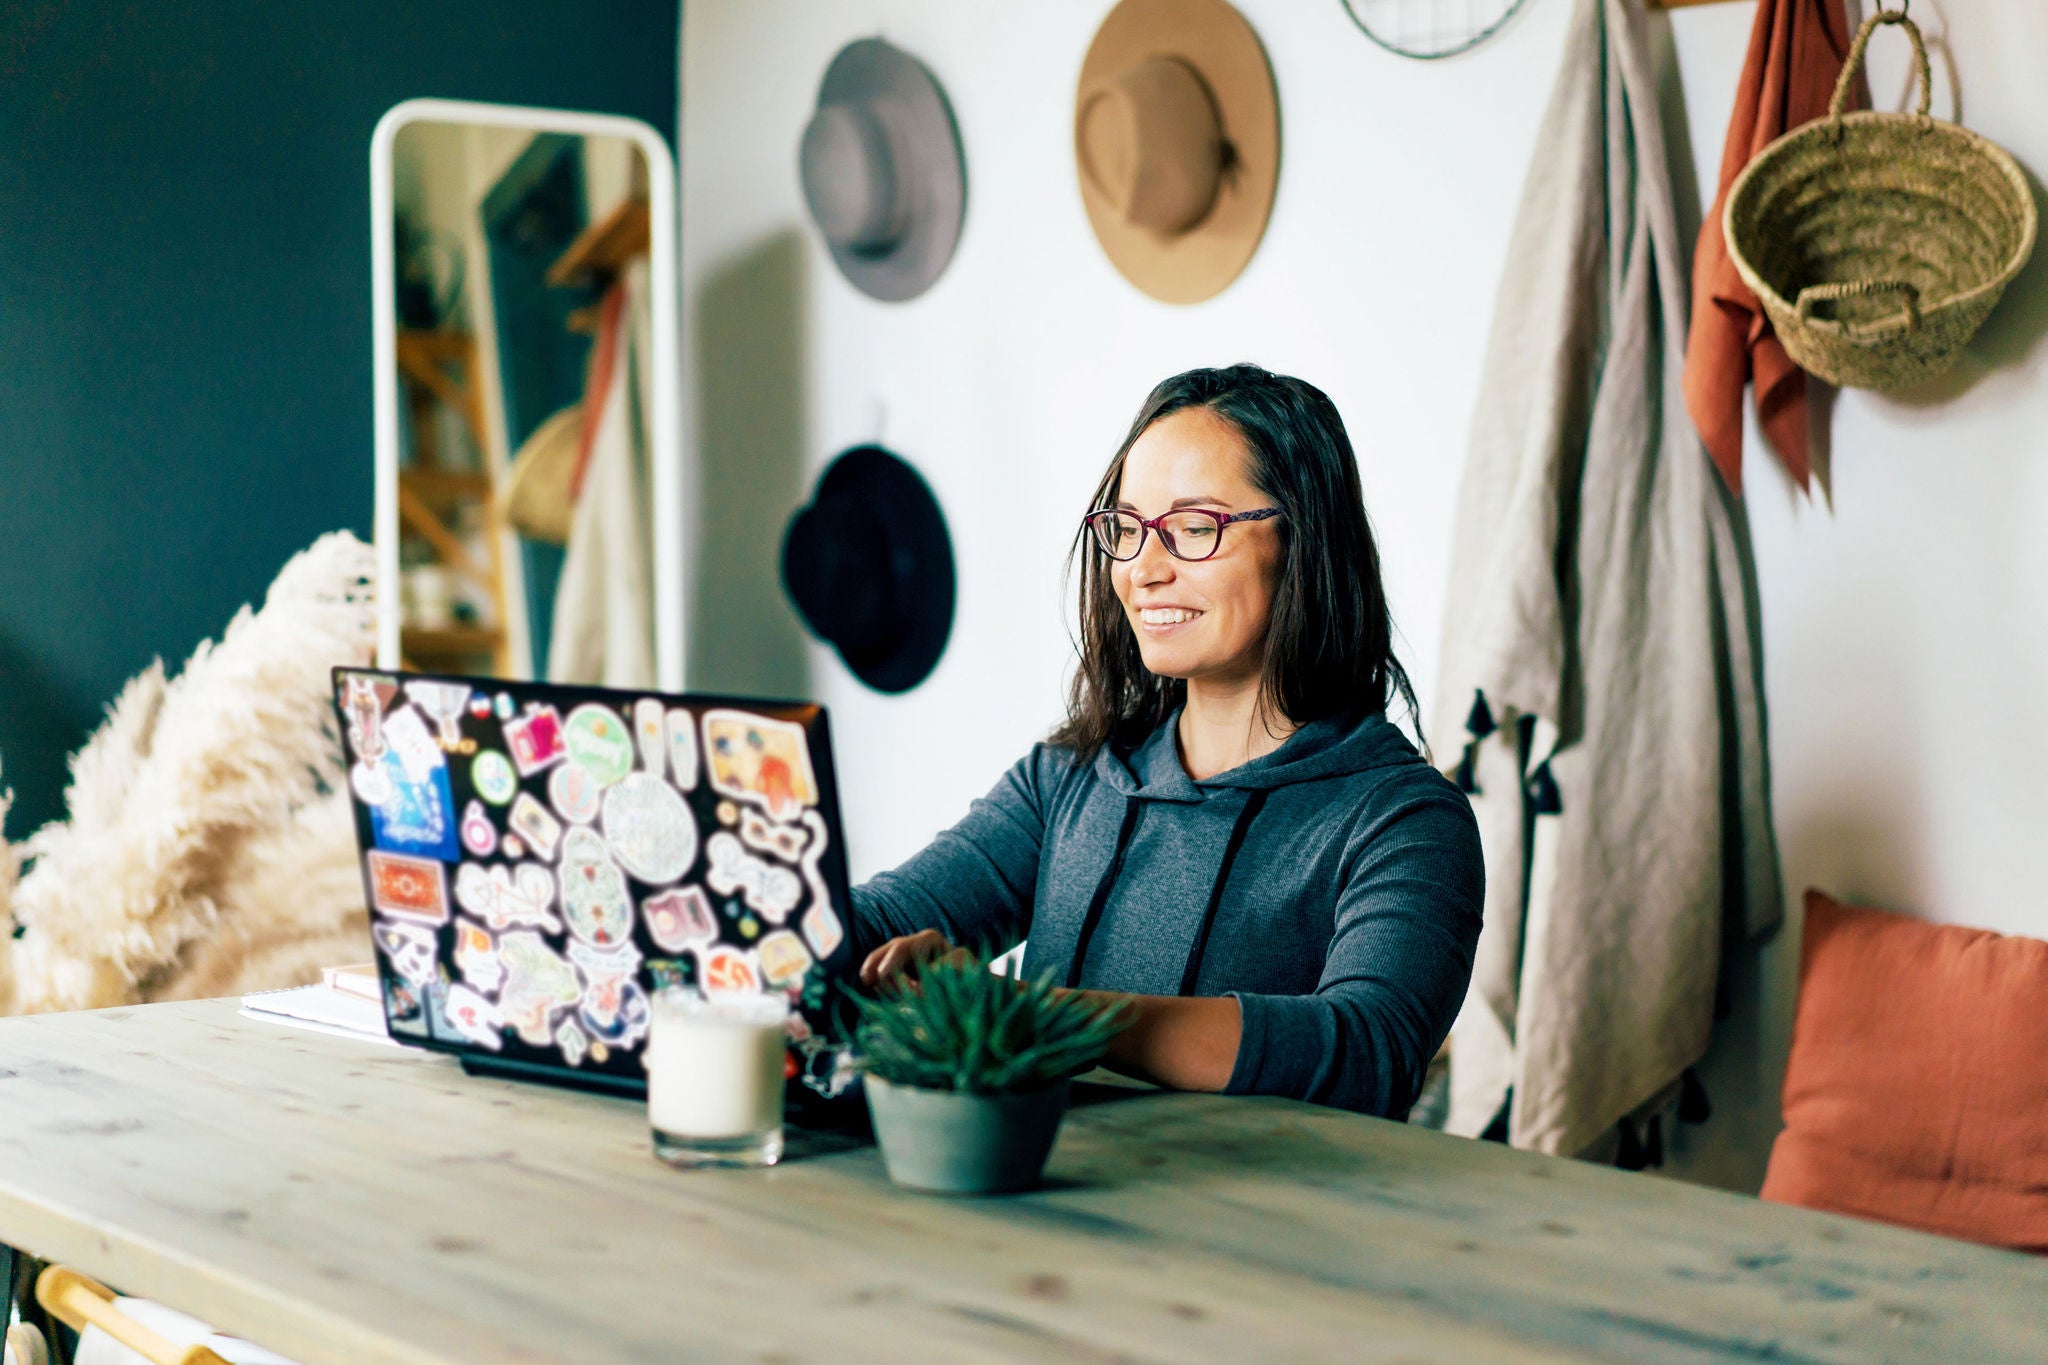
<point>715,1077</point>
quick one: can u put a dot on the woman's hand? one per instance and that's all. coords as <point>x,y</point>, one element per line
<point>903,955</point>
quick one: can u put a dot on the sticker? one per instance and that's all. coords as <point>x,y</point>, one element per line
<point>594,898</point>
<point>648,730</point>
<point>365,719</point>
<point>480,707</point>
<point>599,743</point>
<point>598,964</point>
<point>728,814</point>
<point>537,984</point>
<point>572,1041</point>
<point>442,701</point>
<point>628,1024</point>
<point>503,897</point>
<point>682,750</point>
<point>372,785</point>
<point>602,1001</point>
<point>784,960</point>
<point>410,948</point>
<point>774,891</point>
<point>402,1012</point>
<point>495,781</point>
<point>750,928</point>
<point>599,1052</point>
<point>761,761</point>
<point>650,828</point>
<point>513,848</point>
<point>764,835</point>
<point>503,703</point>
<point>415,748</point>
<point>725,970</point>
<point>434,999</point>
<point>541,829</point>
<point>679,919</point>
<point>535,739</point>
<point>474,1017</point>
<point>476,957</point>
<point>822,928</point>
<point>821,899</point>
<point>418,816</point>
<point>413,887</point>
<point>574,793</point>
<point>479,835</point>
<point>668,973</point>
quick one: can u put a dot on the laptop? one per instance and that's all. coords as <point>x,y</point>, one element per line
<point>539,860</point>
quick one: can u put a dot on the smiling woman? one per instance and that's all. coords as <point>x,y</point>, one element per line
<point>1226,827</point>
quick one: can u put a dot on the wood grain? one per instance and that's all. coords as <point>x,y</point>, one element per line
<point>338,1202</point>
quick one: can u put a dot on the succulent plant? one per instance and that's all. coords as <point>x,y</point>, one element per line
<point>959,1026</point>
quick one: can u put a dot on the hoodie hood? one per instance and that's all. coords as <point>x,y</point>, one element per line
<point>1335,746</point>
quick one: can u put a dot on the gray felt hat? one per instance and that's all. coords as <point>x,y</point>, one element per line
<point>882,170</point>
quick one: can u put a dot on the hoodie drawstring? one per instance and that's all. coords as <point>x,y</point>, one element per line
<point>1132,808</point>
<point>1238,831</point>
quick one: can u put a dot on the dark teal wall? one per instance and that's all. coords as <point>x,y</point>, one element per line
<point>184,303</point>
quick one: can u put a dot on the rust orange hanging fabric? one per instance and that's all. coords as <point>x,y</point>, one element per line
<point>1795,54</point>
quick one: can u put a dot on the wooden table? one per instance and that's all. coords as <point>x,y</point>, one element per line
<point>345,1202</point>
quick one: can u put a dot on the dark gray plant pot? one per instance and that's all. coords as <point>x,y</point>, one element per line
<point>954,1143</point>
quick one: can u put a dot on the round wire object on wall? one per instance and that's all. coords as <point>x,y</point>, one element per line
<point>1428,29</point>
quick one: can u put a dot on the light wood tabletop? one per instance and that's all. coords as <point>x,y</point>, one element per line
<point>338,1201</point>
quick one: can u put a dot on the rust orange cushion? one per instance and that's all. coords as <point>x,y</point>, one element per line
<point>1917,1089</point>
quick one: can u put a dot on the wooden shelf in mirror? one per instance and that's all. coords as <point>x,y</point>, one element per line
<point>449,641</point>
<point>605,246</point>
<point>440,487</point>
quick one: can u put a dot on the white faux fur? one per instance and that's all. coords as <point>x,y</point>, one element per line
<point>208,849</point>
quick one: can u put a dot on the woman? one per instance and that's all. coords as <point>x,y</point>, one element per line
<point>1227,827</point>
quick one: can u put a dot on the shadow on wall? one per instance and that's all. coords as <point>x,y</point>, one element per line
<point>41,722</point>
<point>744,636</point>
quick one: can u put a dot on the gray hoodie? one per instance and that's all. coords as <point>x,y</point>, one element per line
<point>1333,887</point>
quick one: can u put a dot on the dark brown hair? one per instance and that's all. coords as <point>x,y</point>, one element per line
<point>1329,640</point>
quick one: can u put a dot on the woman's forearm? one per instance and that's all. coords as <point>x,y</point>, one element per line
<point>1185,1043</point>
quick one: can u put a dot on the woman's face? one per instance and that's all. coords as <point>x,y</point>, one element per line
<point>1204,620</point>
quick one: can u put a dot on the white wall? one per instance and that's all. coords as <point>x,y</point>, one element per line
<point>1904,625</point>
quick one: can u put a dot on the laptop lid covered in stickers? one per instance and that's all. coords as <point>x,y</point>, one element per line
<point>539,859</point>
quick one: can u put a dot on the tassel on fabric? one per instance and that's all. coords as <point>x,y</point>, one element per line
<point>1692,1098</point>
<point>1479,722</point>
<point>1543,792</point>
<point>1468,771</point>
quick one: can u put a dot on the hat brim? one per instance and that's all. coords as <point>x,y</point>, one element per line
<point>1214,39</point>
<point>871,70</point>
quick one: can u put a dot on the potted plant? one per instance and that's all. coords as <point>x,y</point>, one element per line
<point>966,1072</point>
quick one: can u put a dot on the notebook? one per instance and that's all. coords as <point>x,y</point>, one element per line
<point>540,860</point>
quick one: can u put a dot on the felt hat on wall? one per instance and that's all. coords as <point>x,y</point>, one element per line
<point>1177,144</point>
<point>870,568</point>
<point>882,170</point>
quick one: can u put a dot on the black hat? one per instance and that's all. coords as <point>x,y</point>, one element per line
<point>870,568</point>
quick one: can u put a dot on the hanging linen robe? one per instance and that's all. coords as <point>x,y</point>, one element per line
<point>1600,677</point>
<point>604,605</point>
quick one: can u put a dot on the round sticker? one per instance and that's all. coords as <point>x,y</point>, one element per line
<point>372,785</point>
<point>574,793</point>
<point>649,828</point>
<point>495,781</point>
<point>599,743</point>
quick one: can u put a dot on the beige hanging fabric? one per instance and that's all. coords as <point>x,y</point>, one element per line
<point>1879,243</point>
<point>604,603</point>
<point>1600,674</point>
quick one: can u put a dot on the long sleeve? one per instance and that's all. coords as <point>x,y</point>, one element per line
<point>974,882</point>
<point>1407,921</point>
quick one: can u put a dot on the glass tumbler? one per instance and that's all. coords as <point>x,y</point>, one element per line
<point>715,1077</point>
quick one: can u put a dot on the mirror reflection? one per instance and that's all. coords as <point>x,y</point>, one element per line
<point>519,280</point>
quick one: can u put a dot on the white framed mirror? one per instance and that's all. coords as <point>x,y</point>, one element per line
<point>528,517</point>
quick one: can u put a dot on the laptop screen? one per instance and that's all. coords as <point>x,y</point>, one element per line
<point>539,860</point>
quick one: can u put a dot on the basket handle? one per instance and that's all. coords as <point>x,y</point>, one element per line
<point>1850,289</point>
<point>1854,61</point>
<point>76,1300</point>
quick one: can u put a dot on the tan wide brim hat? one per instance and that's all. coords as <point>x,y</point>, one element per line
<point>1177,144</point>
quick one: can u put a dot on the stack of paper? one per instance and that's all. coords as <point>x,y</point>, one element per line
<point>325,1008</point>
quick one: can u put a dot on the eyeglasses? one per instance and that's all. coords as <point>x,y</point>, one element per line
<point>1192,534</point>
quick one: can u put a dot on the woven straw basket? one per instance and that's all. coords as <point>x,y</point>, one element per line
<point>1891,235</point>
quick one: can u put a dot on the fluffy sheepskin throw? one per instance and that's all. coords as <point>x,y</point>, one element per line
<point>209,849</point>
